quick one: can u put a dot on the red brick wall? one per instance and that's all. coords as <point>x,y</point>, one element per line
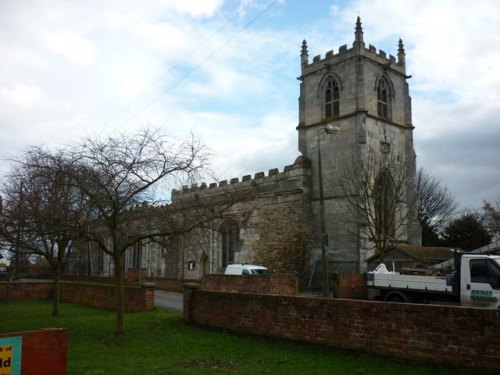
<point>348,285</point>
<point>429,333</point>
<point>140,298</point>
<point>266,284</point>
<point>90,279</point>
<point>135,275</point>
<point>43,352</point>
<point>173,285</point>
<point>351,286</point>
<point>25,291</point>
<point>137,298</point>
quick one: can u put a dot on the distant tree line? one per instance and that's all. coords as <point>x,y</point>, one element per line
<point>443,225</point>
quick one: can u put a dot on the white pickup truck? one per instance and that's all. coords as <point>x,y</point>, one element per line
<point>475,282</point>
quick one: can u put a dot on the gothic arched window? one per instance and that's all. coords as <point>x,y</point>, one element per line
<point>383,95</point>
<point>230,231</point>
<point>332,98</point>
<point>385,201</point>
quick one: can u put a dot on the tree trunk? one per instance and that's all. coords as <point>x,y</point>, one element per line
<point>120,296</point>
<point>56,290</point>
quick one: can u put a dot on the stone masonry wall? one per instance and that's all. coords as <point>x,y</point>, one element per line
<point>423,333</point>
<point>284,227</point>
<point>277,231</point>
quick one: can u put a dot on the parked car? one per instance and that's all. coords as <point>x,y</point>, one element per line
<point>3,273</point>
<point>245,269</point>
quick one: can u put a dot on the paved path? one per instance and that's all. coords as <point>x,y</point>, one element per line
<point>168,300</point>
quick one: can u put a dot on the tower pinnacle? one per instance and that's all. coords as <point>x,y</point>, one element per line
<point>303,53</point>
<point>358,34</point>
<point>401,53</point>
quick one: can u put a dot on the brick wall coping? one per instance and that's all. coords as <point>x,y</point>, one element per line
<point>27,281</point>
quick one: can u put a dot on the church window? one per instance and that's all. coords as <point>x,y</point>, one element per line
<point>332,98</point>
<point>230,241</point>
<point>137,255</point>
<point>385,201</point>
<point>383,98</point>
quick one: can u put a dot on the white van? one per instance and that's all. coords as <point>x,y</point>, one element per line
<point>245,269</point>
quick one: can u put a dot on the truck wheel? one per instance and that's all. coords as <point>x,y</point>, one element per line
<point>396,297</point>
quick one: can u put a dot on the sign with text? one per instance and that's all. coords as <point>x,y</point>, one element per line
<point>10,355</point>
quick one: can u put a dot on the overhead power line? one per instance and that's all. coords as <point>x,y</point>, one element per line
<point>183,60</point>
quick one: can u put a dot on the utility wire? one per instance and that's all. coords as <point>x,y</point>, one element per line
<point>187,74</point>
<point>163,76</point>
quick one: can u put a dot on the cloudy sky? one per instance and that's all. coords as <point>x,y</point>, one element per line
<point>226,70</point>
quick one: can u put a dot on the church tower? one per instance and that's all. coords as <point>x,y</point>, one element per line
<point>361,95</point>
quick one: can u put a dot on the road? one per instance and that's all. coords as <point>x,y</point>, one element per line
<point>169,300</point>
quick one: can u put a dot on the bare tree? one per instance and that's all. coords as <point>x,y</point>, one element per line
<point>377,188</point>
<point>42,213</point>
<point>119,175</point>
<point>491,218</point>
<point>436,206</point>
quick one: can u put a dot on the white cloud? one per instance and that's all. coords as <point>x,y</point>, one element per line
<point>78,49</point>
<point>21,96</point>
<point>74,69</point>
<point>194,8</point>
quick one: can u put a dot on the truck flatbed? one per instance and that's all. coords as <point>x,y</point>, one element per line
<point>409,282</point>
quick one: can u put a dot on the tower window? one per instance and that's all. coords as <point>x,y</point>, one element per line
<point>332,98</point>
<point>383,98</point>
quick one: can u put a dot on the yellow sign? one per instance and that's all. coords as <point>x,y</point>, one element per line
<point>10,355</point>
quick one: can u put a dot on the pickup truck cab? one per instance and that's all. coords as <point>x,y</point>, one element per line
<point>245,269</point>
<point>480,281</point>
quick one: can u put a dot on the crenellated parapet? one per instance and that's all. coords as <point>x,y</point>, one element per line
<point>358,49</point>
<point>299,170</point>
<point>344,53</point>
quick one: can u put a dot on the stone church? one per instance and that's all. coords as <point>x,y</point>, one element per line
<point>354,108</point>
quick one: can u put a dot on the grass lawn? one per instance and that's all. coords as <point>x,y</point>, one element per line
<point>159,342</point>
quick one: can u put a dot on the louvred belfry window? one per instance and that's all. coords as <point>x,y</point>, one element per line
<point>332,98</point>
<point>383,98</point>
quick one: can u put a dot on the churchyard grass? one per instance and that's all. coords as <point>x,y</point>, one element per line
<point>159,342</point>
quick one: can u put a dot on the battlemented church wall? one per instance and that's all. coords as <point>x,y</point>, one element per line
<point>276,233</point>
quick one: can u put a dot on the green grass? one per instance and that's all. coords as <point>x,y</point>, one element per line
<point>159,342</point>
